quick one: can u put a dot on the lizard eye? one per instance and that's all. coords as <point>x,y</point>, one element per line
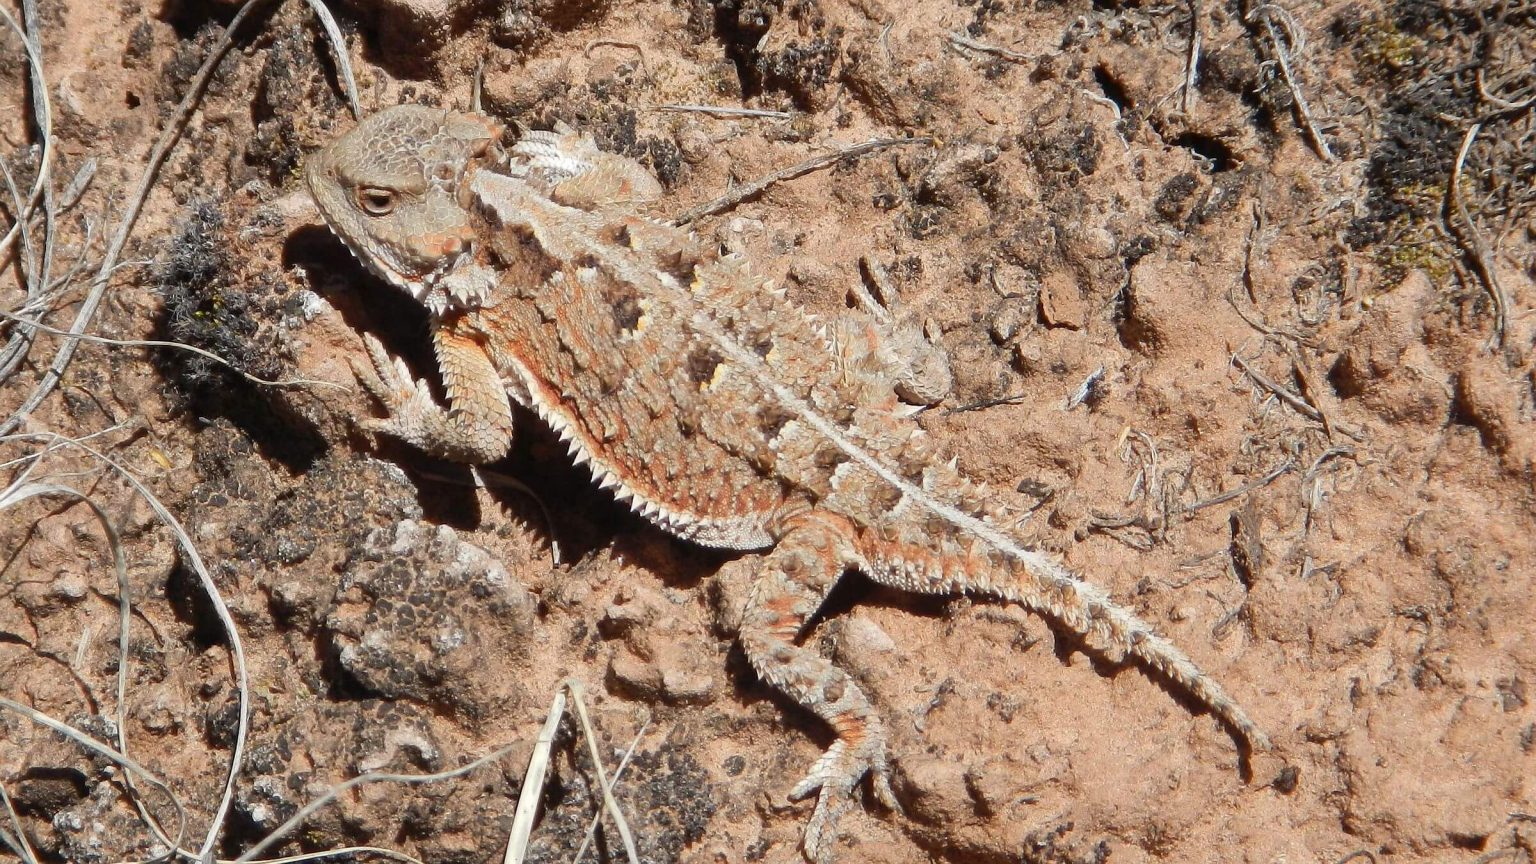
<point>375,201</point>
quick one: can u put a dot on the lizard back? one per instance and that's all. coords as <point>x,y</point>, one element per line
<point>667,364</point>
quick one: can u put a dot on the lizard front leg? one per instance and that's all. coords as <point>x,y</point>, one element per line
<point>793,581</point>
<point>476,424</point>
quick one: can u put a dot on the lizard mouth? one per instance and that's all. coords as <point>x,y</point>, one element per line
<point>419,284</point>
<point>444,266</point>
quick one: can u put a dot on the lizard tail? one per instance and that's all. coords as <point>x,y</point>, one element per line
<point>1043,585</point>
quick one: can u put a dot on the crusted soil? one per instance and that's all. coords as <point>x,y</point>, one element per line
<point>1306,454</point>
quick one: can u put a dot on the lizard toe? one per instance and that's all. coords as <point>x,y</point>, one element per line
<point>833,778</point>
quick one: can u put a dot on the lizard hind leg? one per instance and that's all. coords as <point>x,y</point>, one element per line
<point>792,582</point>
<point>1043,585</point>
<point>891,343</point>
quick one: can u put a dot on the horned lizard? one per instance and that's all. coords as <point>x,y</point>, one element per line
<point>693,390</point>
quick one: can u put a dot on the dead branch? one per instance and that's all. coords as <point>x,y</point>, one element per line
<point>723,111</point>
<point>757,187</point>
<point>1302,406</point>
<point>1283,468</point>
<point>1294,41</point>
<point>960,41</point>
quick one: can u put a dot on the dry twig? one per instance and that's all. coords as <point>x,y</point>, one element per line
<point>757,187</point>
<point>1285,50</point>
<point>961,41</point>
<point>1192,58</point>
<point>724,111</point>
<point>1283,468</point>
<point>1302,406</point>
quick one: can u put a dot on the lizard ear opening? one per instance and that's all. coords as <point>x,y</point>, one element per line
<point>375,201</point>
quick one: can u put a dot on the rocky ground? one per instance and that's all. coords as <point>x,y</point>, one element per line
<point>1290,244</point>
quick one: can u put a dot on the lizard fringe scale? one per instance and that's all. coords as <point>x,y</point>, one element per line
<point>696,393</point>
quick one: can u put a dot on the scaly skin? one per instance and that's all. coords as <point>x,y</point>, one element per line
<point>692,390</point>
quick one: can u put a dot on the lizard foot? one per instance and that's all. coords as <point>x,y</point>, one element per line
<point>388,380</point>
<point>833,778</point>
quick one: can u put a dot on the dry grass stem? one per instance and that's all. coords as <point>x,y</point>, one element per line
<point>1191,59</point>
<point>1275,473</point>
<point>336,791</point>
<point>724,111</point>
<point>339,53</point>
<point>963,42</point>
<point>757,187</point>
<point>45,117</point>
<point>1301,405</point>
<point>286,383</point>
<point>1465,230</point>
<point>167,139</point>
<point>1286,49</point>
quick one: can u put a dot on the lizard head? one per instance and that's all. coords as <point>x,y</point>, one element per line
<point>390,189</point>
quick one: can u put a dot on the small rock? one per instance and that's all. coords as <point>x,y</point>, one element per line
<point>687,687</point>
<point>1061,303</point>
<point>635,676</point>
<point>936,790</point>
<point>1387,367</point>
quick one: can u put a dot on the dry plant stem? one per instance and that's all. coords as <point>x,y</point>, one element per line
<point>40,98</point>
<point>618,43</point>
<point>724,111</point>
<point>336,791</point>
<point>26,260</point>
<point>339,50</point>
<point>1311,494</point>
<point>42,116</point>
<point>609,804</point>
<point>340,854</point>
<point>18,843</point>
<point>538,766</point>
<point>1266,15</point>
<point>124,615</point>
<point>102,750</point>
<point>98,291</point>
<point>1301,405</point>
<point>1192,59</point>
<point>960,40</point>
<point>1015,399</point>
<point>1255,228</point>
<point>19,491</point>
<point>756,187</point>
<point>1272,476</point>
<point>618,772</point>
<point>1504,106</point>
<point>1472,240</point>
<point>533,782</point>
<point>221,610</point>
<point>285,383</point>
<point>34,278</point>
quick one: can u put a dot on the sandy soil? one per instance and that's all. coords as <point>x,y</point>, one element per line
<point>1308,457</point>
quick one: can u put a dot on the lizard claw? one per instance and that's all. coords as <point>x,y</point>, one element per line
<point>833,778</point>
<point>388,380</point>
